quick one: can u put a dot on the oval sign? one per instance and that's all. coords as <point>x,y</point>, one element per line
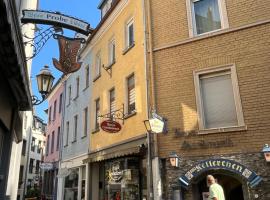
<point>110,126</point>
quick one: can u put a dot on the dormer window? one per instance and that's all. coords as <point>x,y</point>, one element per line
<point>105,6</point>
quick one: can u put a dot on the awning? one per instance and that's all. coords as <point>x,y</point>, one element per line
<point>128,147</point>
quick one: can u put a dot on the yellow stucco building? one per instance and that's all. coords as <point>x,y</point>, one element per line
<point>117,160</point>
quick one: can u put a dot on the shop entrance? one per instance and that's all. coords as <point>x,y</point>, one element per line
<point>232,187</point>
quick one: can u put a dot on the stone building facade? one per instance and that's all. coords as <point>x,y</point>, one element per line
<point>211,82</point>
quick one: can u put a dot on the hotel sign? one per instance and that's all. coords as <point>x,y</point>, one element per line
<point>55,19</point>
<point>252,178</point>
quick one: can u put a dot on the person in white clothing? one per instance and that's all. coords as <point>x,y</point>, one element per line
<point>215,190</point>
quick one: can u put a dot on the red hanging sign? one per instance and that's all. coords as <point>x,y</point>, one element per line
<point>110,126</point>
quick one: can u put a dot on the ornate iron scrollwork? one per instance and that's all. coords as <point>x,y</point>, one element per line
<point>116,114</point>
<point>36,101</point>
<point>40,39</point>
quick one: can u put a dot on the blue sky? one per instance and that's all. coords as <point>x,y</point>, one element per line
<point>82,9</point>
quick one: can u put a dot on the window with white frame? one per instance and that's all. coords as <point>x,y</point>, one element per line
<point>85,122</point>
<point>112,100</point>
<point>75,128</point>
<point>111,52</point>
<point>207,15</point>
<point>98,64</point>
<point>69,94</point>
<point>129,33</point>
<point>67,133</point>
<point>87,76</point>
<point>97,113</point>
<point>218,99</point>
<point>77,86</point>
<point>131,94</point>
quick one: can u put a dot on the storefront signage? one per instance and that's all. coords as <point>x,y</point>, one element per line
<point>157,123</point>
<point>55,19</point>
<point>251,177</point>
<point>202,144</point>
<point>110,126</point>
<point>68,49</point>
<point>46,166</point>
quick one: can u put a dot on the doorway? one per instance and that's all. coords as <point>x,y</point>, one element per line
<point>233,189</point>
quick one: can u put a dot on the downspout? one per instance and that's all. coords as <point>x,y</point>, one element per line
<point>151,70</point>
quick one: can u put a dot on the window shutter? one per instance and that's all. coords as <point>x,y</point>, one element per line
<point>218,101</point>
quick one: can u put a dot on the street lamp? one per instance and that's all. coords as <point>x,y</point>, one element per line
<point>149,160</point>
<point>45,81</point>
<point>266,152</point>
<point>174,159</point>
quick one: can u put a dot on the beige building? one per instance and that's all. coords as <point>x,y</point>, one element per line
<point>117,158</point>
<point>211,75</point>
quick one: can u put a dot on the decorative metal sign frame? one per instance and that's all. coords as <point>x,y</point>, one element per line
<point>117,114</point>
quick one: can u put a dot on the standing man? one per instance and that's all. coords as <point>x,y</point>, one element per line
<point>215,190</point>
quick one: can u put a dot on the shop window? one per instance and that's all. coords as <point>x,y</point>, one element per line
<point>83,188</point>
<point>71,185</point>
<point>218,98</point>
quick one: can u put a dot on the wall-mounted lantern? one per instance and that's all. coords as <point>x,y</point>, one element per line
<point>174,159</point>
<point>45,81</point>
<point>266,152</point>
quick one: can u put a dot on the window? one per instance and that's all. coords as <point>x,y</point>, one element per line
<point>24,147</point>
<point>33,145</point>
<point>112,52</point>
<point>87,77</point>
<point>50,112</point>
<point>69,94</point>
<point>97,102</point>
<point>52,144</point>
<point>54,109</point>
<point>37,166</point>
<point>207,16</point>
<point>112,101</point>
<point>67,133</point>
<point>130,33</point>
<point>58,138</point>
<point>48,145</point>
<point>218,98</point>
<point>60,102</point>
<point>31,165</point>
<point>77,86</point>
<point>25,122</point>
<point>75,128</point>
<point>85,121</point>
<point>39,147</point>
<point>98,65</point>
<point>131,94</point>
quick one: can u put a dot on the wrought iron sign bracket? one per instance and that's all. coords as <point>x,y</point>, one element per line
<point>117,114</point>
<point>108,70</point>
<point>40,38</point>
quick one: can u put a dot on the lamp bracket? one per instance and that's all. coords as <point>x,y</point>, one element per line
<point>36,101</point>
<point>108,69</point>
<point>116,114</point>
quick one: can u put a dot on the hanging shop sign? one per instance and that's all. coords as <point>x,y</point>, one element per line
<point>68,48</point>
<point>157,123</point>
<point>56,19</point>
<point>110,126</point>
<point>251,177</point>
<point>46,166</point>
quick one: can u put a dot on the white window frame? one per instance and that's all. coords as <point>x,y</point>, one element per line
<point>192,22</point>
<point>111,57</point>
<point>237,98</point>
<point>128,24</point>
<point>97,64</point>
